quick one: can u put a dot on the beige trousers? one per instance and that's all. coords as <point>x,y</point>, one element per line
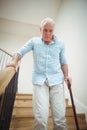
<point>42,97</point>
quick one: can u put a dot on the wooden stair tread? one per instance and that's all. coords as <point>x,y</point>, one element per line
<point>81,126</point>
<point>28,103</point>
<point>20,96</point>
<point>29,112</point>
<point>29,97</point>
<point>28,121</point>
<point>30,127</point>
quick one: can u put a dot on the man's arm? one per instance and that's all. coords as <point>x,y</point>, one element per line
<point>65,70</point>
<point>14,63</point>
<point>67,79</point>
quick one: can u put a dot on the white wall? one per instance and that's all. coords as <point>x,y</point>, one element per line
<point>71,26</point>
<point>29,11</point>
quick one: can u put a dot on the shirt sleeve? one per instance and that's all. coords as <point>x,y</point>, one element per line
<point>28,46</point>
<point>63,59</point>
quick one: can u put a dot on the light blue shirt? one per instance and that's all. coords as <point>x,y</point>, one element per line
<point>47,60</point>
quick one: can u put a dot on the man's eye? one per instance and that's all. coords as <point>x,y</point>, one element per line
<point>45,30</point>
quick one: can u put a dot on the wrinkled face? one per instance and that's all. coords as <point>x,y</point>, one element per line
<point>47,32</point>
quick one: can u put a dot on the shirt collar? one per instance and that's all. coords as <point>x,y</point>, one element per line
<point>54,39</point>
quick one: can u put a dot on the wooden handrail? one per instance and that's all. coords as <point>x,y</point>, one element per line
<point>5,77</point>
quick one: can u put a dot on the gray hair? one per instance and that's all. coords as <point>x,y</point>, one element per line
<point>47,20</point>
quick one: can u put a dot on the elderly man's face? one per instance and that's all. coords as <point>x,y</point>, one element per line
<point>47,32</point>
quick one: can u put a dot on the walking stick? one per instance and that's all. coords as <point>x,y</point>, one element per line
<point>74,110</point>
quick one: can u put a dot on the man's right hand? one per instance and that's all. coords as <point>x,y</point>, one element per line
<point>13,64</point>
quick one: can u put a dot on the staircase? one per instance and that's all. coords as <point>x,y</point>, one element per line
<point>22,117</point>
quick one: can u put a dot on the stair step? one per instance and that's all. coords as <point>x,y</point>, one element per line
<point>21,122</point>
<point>27,120</point>
<point>29,111</point>
<point>81,119</point>
<point>26,103</point>
<point>20,96</point>
<point>30,127</point>
<point>26,99</point>
<point>81,127</point>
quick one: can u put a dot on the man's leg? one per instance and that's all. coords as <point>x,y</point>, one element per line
<point>57,102</point>
<point>41,106</point>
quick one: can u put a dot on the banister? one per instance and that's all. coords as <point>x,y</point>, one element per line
<point>8,89</point>
<point>5,58</point>
<point>5,77</point>
<point>6,73</point>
